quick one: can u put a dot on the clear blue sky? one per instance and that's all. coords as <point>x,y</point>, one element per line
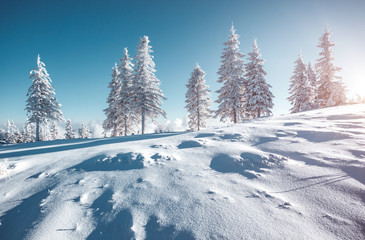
<point>79,41</point>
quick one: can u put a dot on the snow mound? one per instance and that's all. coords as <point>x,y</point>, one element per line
<point>248,164</point>
<point>298,176</point>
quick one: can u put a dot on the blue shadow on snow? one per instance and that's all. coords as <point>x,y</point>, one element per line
<point>154,231</point>
<point>73,144</point>
<point>17,222</point>
<point>122,161</point>
<point>110,226</point>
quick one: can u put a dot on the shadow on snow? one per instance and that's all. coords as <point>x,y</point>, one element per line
<point>245,165</point>
<point>73,144</point>
<point>17,222</point>
<point>110,225</point>
<point>154,231</point>
<point>122,161</point>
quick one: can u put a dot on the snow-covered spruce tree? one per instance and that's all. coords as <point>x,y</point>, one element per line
<point>27,134</point>
<point>147,95</point>
<point>126,115</point>
<point>54,134</point>
<point>42,103</point>
<point>326,71</point>
<point>198,100</point>
<point>111,121</point>
<point>258,95</point>
<point>69,131</point>
<point>12,134</point>
<point>300,89</point>
<point>312,78</point>
<point>84,131</point>
<point>231,74</point>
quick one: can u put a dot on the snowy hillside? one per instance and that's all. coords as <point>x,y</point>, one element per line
<point>300,176</point>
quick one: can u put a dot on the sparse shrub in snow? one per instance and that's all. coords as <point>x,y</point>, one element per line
<point>84,131</point>
<point>42,104</point>
<point>258,95</point>
<point>111,121</point>
<point>300,89</point>
<point>147,95</point>
<point>70,134</point>
<point>197,99</point>
<point>328,83</point>
<point>231,73</point>
<point>357,99</point>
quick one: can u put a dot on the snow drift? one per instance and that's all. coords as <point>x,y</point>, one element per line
<point>300,176</point>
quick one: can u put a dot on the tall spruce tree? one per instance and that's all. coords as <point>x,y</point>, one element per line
<point>147,94</point>
<point>197,99</point>
<point>126,115</point>
<point>231,74</point>
<point>42,104</point>
<point>258,94</point>
<point>326,71</point>
<point>111,121</point>
<point>300,89</point>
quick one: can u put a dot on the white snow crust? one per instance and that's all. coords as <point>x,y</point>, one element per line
<point>298,176</point>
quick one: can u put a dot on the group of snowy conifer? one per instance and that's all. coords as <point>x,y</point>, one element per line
<point>135,95</point>
<point>43,112</point>
<point>245,93</point>
<point>319,88</point>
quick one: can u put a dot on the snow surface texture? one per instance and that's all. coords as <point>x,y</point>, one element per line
<point>299,176</point>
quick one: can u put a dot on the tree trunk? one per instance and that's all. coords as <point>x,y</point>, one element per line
<point>115,130</point>
<point>125,126</point>
<point>37,131</point>
<point>234,116</point>
<point>198,118</point>
<point>143,121</point>
<point>259,113</point>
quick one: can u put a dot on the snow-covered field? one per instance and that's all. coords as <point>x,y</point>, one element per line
<point>300,176</point>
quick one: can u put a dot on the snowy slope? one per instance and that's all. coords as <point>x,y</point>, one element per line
<point>300,176</point>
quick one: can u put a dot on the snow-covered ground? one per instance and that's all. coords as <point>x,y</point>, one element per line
<point>299,176</point>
